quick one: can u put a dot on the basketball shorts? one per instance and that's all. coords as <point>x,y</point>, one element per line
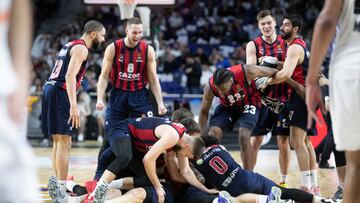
<point>269,121</point>
<point>298,114</point>
<point>126,104</point>
<point>226,117</point>
<point>55,111</point>
<point>345,111</point>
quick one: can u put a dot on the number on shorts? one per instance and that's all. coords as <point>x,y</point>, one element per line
<point>57,69</point>
<point>249,109</point>
<point>149,114</point>
<point>218,165</point>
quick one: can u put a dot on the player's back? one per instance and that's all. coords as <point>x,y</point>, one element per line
<point>142,131</point>
<point>218,167</point>
<point>61,65</point>
<point>346,58</point>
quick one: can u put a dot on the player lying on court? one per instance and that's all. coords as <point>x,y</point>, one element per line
<point>223,172</point>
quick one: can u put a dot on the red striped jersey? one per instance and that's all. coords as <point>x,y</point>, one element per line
<point>62,62</point>
<point>300,71</point>
<point>129,70</point>
<point>142,131</point>
<point>241,93</point>
<point>276,49</point>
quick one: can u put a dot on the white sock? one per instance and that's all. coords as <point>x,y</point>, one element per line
<point>283,178</point>
<point>117,184</point>
<point>305,179</point>
<point>313,178</point>
<point>70,185</point>
<point>261,199</point>
<point>318,199</point>
<point>62,184</point>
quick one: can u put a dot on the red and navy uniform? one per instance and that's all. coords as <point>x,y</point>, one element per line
<point>129,70</point>
<point>59,71</point>
<point>241,93</point>
<point>276,49</point>
<point>129,97</point>
<point>298,111</point>
<point>224,173</point>
<point>300,71</point>
<point>142,131</point>
<point>55,110</point>
<point>274,97</point>
<point>241,102</point>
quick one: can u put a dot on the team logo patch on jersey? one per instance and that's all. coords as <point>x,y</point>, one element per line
<point>138,58</point>
<point>121,58</point>
<point>279,50</point>
<point>199,161</point>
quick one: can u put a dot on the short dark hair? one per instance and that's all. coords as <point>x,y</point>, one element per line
<point>198,146</point>
<point>295,20</point>
<point>191,125</point>
<point>180,114</point>
<point>93,25</point>
<point>263,14</point>
<point>222,75</point>
<point>133,20</point>
<point>209,140</point>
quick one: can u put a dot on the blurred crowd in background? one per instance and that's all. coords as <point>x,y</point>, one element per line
<point>194,39</point>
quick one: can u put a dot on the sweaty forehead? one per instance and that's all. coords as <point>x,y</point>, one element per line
<point>266,19</point>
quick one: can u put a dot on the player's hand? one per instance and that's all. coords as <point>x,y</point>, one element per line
<point>212,191</point>
<point>162,110</point>
<point>74,118</point>
<point>261,82</point>
<point>100,105</point>
<point>313,99</point>
<point>161,194</point>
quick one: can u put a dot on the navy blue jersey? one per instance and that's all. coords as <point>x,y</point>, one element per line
<point>61,65</point>
<point>224,173</point>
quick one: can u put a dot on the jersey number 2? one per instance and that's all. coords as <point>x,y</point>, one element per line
<point>218,165</point>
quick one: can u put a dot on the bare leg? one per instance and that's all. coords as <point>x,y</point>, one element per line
<point>297,140</point>
<point>136,195</point>
<point>53,156</point>
<point>352,177</point>
<point>62,155</point>
<point>216,132</point>
<point>255,142</point>
<point>245,147</point>
<point>341,174</point>
<point>312,156</point>
<point>284,153</point>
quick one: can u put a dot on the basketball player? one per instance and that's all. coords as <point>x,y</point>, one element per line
<point>273,116</point>
<point>60,114</point>
<point>16,159</point>
<point>239,99</point>
<point>295,67</point>
<point>344,83</point>
<point>150,138</point>
<point>223,172</point>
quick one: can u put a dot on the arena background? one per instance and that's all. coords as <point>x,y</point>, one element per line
<point>204,34</point>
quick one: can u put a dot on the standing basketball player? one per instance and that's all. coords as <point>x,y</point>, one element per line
<point>60,114</point>
<point>295,66</point>
<point>130,64</point>
<point>239,99</point>
<point>344,82</point>
<point>273,116</point>
<point>16,159</point>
